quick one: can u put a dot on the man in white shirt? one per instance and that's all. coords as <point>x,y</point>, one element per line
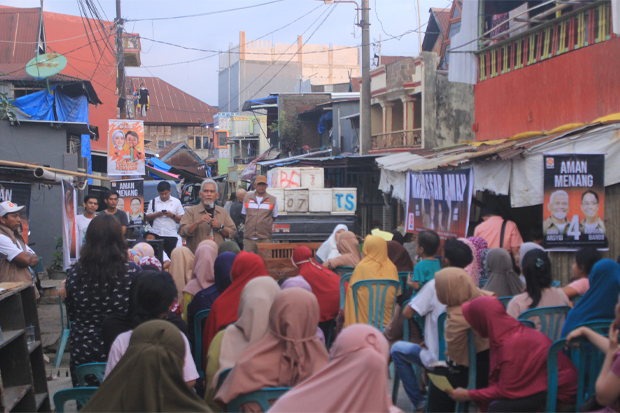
<point>17,257</point>
<point>91,203</point>
<point>165,211</point>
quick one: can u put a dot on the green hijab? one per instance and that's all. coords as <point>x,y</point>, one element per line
<point>149,376</point>
<point>228,246</point>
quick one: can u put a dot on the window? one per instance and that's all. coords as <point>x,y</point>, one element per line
<point>168,143</point>
<point>221,139</point>
<point>454,29</point>
<point>160,144</point>
<point>198,142</point>
<point>205,142</point>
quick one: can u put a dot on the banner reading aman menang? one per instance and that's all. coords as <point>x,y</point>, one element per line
<point>439,201</point>
<point>126,148</point>
<point>574,203</point>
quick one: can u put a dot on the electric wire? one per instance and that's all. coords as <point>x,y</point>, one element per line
<point>206,13</point>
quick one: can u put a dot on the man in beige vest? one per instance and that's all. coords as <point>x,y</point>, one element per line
<point>260,210</point>
<point>19,257</point>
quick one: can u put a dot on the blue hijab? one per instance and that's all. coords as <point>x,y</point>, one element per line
<point>600,301</point>
<point>204,299</point>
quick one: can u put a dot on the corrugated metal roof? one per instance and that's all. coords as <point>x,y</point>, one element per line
<point>170,105</point>
<point>442,16</point>
<point>19,29</point>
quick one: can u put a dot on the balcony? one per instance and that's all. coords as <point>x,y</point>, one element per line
<point>398,139</point>
<point>579,28</point>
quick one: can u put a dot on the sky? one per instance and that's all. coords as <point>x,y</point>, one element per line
<point>217,31</point>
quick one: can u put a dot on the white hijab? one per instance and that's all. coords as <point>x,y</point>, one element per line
<point>329,249</point>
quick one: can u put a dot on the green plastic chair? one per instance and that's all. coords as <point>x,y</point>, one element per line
<point>575,299</point>
<point>588,360</point>
<point>343,270</point>
<point>262,397</point>
<point>198,325</point>
<point>80,394</point>
<point>222,377</point>
<point>551,319</point>
<point>377,299</point>
<point>599,326</point>
<point>505,301</point>
<point>555,283</point>
<point>482,283</point>
<point>441,328</point>
<point>64,335</point>
<point>402,275</point>
<point>527,323</point>
<point>343,280</point>
<point>95,369</point>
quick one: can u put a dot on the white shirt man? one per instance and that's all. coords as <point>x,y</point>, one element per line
<point>91,203</point>
<point>165,211</point>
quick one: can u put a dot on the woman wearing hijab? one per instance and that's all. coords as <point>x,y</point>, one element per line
<point>228,246</point>
<point>289,353</point>
<point>140,250</point>
<point>202,274</point>
<point>600,300</point>
<point>206,297</point>
<point>481,245</point>
<point>324,284</point>
<point>246,267</point>
<point>503,280</point>
<point>329,249</point>
<point>399,256</point>
<point>455,287</point>
<point>398,237</point>
<point>349,249</point>
<point>518,363</point>
<point>375,266</point>
<point>472,269</point>
<point>181,267</point>
<point>300,282</point>
<point>229,344</point>
<point>358,365</point>
<point>539,292</point>
<point>149,377</point>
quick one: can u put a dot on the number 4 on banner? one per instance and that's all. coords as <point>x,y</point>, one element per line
<point>573,228</point>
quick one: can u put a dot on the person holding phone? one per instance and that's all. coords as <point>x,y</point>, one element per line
<point>165,211</point>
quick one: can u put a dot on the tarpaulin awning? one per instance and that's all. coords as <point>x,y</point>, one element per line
<point>292,159</point>
<point>154,172</point>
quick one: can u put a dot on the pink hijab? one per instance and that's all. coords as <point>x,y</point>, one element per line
<point>472,269</point>
<point>203,275</point>
<point>355,380</point>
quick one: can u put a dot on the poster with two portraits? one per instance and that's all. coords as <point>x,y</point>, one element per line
<point>574,201</point>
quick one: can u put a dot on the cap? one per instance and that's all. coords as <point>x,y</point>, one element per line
<point>260,179</point>
<point>7,207</point>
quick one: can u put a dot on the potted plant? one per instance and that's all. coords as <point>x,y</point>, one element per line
<point>56,270</point>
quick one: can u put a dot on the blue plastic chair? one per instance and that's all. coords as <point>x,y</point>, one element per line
<point>403,275</point>
<point>588,360</point>
<point>505,301</point>
<point>95,369</point>
<point>198,325</point>
<point>599,326</point>
<point>222,377</point>
<point>343,280</point>
<point>441,328</point>
<point>551,319</point>
<point>396,381</point>
<point>482,283</point>
<point>555,283</point>
<point>64,335</point>
<point>527,323</point>
<point>262,397</point>
<point>343,270</point>
<point>471,381</point>
<point>377,300</point>
<point>80,394</point>
<point>575,299</point>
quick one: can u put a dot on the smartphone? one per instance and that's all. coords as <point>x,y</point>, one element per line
<point>164,211</point>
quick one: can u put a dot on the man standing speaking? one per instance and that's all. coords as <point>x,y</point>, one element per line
<point>206,220</point>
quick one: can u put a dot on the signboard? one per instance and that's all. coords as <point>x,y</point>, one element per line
<point>131,200</point>
<point>439,201</point>
<point>574,202</point>
<point>126,148</point>
<point>70,249</point>
<point>19,194</point>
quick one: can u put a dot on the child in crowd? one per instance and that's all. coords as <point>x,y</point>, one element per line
<point>585,259</point>
<point>424,271</point>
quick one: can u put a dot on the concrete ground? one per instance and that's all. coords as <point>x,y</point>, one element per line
<point>59,378</point>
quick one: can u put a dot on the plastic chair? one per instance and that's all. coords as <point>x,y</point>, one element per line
<point>95,369</point>
<point>343,270</point>
<point>551,319</point>
<point>376,307</point>
<point>441,328</point>
<point>403,275</point>
<point>222,377</point>
<point>599,326</point>
<point>482,283</point>
<point>575,299</point>
<point>505,300</point>
<point>262,397</point>
<point>396,381</point>
<point>555,283</point>
<point>471,381</point>
<point>343,280</point>
<point>527,323</point>
<point>330,332</point>
<point>64,335</point>
<point>80,394</point>
<point>198,325</point>
<point>588,360</point>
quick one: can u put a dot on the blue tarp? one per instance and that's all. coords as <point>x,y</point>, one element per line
<point>38,105</point>
<point>323,121</point>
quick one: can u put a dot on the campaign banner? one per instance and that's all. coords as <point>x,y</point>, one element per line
<point>131,200</point>
<point>439,201</point>
<point>574,202</point>
<point>126,148</point>
<point>18,193</point>
<point>70,249</point>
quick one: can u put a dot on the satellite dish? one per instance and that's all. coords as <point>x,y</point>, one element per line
<point>46,65</point>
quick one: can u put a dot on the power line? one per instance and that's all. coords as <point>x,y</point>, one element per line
<point>54,41</point>
<point>205,14</point>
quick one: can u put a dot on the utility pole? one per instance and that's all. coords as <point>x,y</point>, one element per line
<point>120,62</point>
<point>366,139</point>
